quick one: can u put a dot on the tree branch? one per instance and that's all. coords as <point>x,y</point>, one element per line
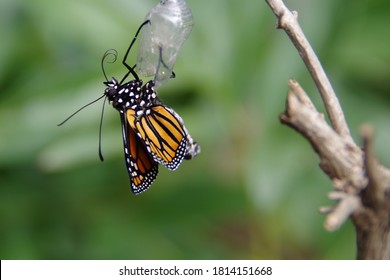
<point>339,159</point>
<point>361,184</point>
<point>288,21</point>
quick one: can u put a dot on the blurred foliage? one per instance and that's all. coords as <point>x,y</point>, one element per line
<point>254,191</point>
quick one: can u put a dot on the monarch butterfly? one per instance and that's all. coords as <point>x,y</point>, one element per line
<point>152,132</point>
<point>170,24</point>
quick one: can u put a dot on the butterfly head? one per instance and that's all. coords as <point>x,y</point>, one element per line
<point>112,89</point>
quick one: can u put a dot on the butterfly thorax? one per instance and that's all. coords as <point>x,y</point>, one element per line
<point>131,95</point>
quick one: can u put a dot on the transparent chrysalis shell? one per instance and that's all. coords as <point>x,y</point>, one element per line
<point>170,25</point>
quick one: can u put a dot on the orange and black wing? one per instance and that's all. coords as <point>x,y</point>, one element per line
<point>163,132</point>
<point>141,166</point>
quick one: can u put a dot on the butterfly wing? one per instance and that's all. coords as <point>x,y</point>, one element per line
<point>141,166</point>
<point>163,132</point>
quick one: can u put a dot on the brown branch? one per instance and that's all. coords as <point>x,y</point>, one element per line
<point>288,21</point>
<point>362,185</point>
<point>372,222</point>
<point>339,159</point>
<point>347,205</point>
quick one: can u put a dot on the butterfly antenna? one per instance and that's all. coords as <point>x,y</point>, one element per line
<point>100,132</point>
<point>109,52</point>
<point>90,103</point>
<point>106,54</point>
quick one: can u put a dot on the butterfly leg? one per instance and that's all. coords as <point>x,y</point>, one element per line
<point>161,62</point>
<point>131,69</point>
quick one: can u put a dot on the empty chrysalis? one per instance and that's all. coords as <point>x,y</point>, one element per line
<point>170,25</point>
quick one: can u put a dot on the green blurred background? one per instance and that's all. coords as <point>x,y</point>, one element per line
<point>253,192</point>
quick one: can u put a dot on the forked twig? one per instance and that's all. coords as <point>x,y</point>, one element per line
<point>362,185</point>
<point>288,21</point>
